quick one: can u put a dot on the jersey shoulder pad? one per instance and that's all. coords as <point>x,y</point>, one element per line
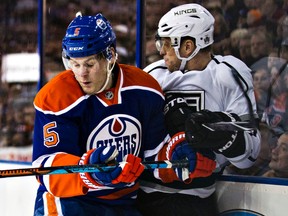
<point>155,65</point>
<point>59,93</point>
<point>134,76</point>
<point>224,73</point>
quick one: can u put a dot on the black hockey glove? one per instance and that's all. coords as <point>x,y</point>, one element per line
<point>176,112</point>
<point>228,143</point>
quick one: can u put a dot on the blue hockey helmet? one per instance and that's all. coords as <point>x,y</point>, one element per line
<point>88,35</point>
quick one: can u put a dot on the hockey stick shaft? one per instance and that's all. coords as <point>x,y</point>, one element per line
<point>85,168</point>
<point>230,126</point>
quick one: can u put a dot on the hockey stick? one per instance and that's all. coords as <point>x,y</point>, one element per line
<point>85,168</point>
<point>229,126</point>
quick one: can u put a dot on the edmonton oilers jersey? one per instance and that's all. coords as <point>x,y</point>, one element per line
<point>68,123</point>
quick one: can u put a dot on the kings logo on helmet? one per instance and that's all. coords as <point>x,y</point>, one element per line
<point>187,11</point>
<point>207,39</point>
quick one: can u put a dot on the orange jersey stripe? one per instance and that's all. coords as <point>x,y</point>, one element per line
<point>51,204</point>
<point>69,184</point>
<point>67,94</point>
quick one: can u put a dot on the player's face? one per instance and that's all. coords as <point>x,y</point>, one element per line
<point>167,51</point>
<point>90,72</point>
<point>279,160</point>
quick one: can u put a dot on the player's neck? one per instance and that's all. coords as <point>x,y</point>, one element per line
<point>199,62</point>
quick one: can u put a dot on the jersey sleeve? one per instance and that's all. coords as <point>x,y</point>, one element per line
<point>56,135</point>
<point>236,102</point>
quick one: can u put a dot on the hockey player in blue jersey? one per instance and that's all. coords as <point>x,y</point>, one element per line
<point>97,111</point>
<point>199,88</point>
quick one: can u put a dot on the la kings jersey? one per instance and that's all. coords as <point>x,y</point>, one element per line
<point>214,89</point>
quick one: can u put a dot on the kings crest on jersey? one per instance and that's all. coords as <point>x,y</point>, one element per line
<point>194,98</point>
<point>68,123</point>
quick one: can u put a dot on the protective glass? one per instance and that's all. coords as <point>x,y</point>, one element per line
<point>164,44</point>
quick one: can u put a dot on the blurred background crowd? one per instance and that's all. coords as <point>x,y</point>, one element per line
<point>255,31</point>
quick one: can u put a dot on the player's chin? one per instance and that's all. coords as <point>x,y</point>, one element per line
<point>172,68</point>
<point>88,90</point>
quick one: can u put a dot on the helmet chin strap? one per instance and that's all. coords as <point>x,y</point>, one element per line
<point>184,60</point>
<point>109,72</point>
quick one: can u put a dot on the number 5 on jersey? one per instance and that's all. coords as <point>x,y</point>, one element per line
<point>51,137</point>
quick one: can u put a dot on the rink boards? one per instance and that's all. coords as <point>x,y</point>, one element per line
<point>252,196</point>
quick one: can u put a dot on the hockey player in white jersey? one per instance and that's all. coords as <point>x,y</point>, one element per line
<point>199,88</point>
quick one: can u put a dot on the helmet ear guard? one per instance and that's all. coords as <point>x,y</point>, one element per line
<point>205,39</point>
<point>107,53</point>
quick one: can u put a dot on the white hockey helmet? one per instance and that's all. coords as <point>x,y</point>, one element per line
<point>191,20</point>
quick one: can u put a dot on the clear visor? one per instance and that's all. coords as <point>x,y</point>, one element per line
<point>163,43</point>
<point>65,60</point>
<point>158,44</point>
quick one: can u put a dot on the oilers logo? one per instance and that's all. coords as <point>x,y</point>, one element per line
<point>123,131</point>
